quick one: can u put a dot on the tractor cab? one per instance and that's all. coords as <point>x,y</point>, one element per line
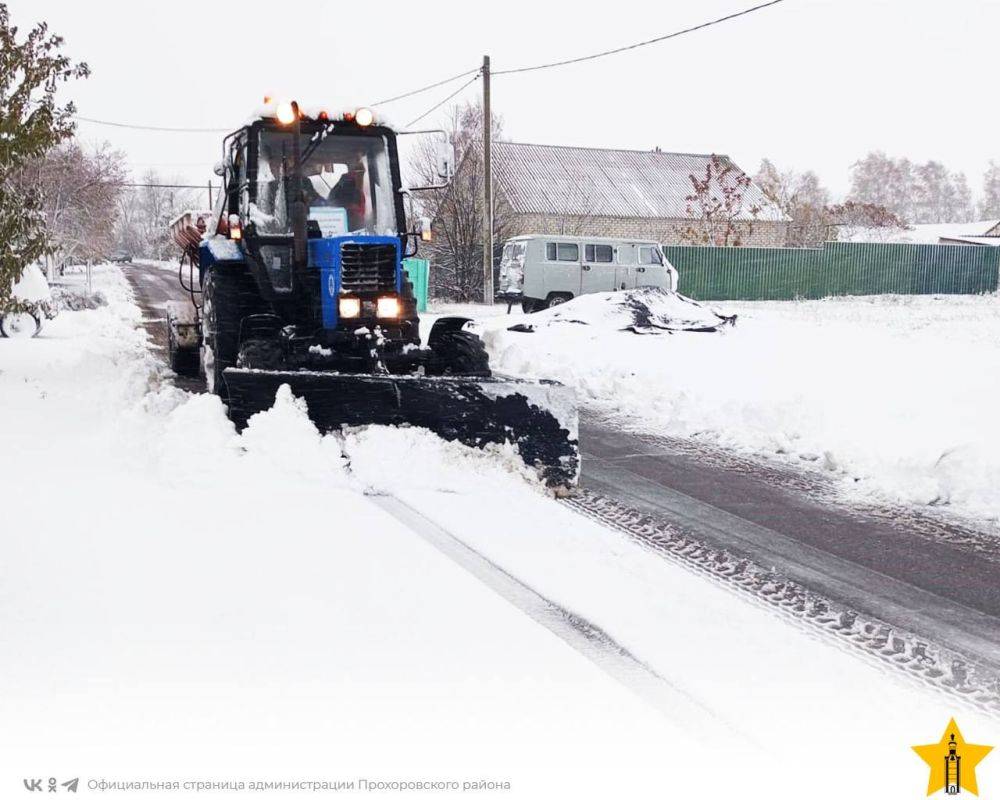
<point>314,205</point>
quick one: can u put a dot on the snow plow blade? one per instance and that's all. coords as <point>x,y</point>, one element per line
<point>538,416</point>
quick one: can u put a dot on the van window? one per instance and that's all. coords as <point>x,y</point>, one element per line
<point>650,255</point>
<point>599,253</point>
<point>561,251</point>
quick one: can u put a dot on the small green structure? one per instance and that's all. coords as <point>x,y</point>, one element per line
<point>418,270</point>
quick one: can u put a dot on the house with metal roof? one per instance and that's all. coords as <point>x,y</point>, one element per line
<point>644,194</point>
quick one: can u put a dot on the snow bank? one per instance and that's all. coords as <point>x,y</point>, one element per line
<point>32,286</point>
<point>892,395</point>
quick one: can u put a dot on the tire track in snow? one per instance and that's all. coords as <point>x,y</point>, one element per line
<point>588,639</point>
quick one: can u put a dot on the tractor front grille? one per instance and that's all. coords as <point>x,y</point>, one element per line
<point>367,268</point>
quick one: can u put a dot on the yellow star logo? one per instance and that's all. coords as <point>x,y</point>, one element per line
<point>952,761</point>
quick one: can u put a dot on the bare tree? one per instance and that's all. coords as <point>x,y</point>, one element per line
<point>917,193</point>
<point>989,204</point>
<point>79,189</point>
<point>879,180</point>
<point>802,198</point>
<point>719,206</point>
<point>876,221</point>
<point>145,212</point>
<point>457,211</point>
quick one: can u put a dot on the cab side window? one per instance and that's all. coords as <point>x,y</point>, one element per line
<point>562,251</point>
<point>649,255</point>
<point>599,253</point>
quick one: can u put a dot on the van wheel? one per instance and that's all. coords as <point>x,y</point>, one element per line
<point>557,300</point>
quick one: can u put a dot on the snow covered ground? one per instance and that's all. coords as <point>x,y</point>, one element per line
<point>895,397</point>
<point>178,602</point>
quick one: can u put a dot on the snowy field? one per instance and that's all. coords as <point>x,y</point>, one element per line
<point>178,601</point>
<point>894,397</point>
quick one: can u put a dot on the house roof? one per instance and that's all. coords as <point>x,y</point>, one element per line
<point>585,181</point>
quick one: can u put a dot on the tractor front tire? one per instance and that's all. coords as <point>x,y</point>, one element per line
<point>462,353</point>
<point>229,294</point>
<point>260,354</point>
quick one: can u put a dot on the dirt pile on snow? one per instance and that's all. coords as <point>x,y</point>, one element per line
<point>644,311</point>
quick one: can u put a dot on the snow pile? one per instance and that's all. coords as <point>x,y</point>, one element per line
<point>32,286</point>
<point>643,311</point>
<point>894,396</point>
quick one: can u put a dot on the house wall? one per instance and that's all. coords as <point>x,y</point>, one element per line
<point>665,231</point>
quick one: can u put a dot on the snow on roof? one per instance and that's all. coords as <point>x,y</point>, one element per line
<point>585,181</point>
<point>989,241</point>
<point>930,233</point>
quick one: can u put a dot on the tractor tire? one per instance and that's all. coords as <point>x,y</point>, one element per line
<point>183,361</point>
<point>462,353</point>
<point>260,354</point>
<point>229,294</point>
<point>20,325</point>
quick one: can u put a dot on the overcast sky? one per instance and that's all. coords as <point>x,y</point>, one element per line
<point>811,84</point>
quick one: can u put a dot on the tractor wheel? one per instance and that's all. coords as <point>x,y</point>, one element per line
<point>260,354</point>
<point>462,353</point>
<point>229,295</point>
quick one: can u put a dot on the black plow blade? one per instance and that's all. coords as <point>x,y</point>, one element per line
<point>539,417</point>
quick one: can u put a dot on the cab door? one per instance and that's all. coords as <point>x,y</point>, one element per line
<point>651,270</point>
<point>598,268</point>
<point>625,266</point>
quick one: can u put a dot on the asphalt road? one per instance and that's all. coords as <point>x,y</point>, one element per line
<point>929,577</point>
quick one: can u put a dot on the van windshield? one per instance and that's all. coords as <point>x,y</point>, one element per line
<point>346,183</point>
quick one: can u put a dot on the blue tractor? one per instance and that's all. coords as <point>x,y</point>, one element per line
<point>297,278</point>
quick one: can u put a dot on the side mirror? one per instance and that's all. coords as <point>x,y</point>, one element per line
<point>219,168</point>
<point>446,161</point>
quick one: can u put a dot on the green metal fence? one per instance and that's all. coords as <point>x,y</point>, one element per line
<point>838,268</point>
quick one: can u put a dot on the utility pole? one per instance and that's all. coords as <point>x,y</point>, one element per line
<point>487,187</point>
<point>210,206</point>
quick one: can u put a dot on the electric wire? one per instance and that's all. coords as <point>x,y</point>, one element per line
<point>424,88</point>
<point>604,53</point>
<point>449,97</point>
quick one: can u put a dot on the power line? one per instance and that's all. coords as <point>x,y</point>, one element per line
<point>149,127</point>
<point>168,129</point>
<point>425,88</point>
<point>436,106</point>
<point>638,44</point>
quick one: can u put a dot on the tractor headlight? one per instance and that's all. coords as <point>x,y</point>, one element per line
<point>387,307</point>
<point>286,113</point>
<point>350,307</point>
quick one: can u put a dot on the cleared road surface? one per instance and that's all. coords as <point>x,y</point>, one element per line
<point>924,576</point>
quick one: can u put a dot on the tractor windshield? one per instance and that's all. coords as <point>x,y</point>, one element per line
<point>346,183</point>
